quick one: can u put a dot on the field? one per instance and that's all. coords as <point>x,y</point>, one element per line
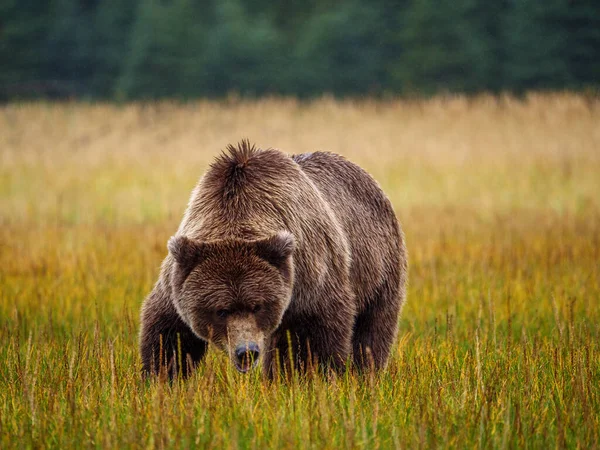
<point>499,342</point>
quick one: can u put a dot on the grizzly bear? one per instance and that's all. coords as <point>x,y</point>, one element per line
<point>294,261</point>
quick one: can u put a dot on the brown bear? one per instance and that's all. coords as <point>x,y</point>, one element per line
<point>282,259</point>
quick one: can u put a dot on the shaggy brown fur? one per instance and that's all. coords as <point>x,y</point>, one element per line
<point>276,250</point>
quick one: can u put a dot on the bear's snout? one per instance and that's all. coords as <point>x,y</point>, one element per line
<point>246,356</point>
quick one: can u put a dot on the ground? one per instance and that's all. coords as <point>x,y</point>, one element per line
<point>499,339</point>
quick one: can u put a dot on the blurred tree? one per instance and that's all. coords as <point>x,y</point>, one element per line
<point>391,23</point>
<point>155,59</point>
<point>288,16</point>
<point>147,49</point>
<point>582,20</point>
<point>536,45</point>
<point>112,23</point>
<point>242,54</point>
<point>24,26</point>
<point>445,46</point>
<point>69,46</point>
<point>340,51</point>
<point>489,19</point>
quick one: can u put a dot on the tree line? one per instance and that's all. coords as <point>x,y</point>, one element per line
<point>183,49</point>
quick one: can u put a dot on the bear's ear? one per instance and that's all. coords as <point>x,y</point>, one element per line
<point>187,253</point>
<point>276,250</point>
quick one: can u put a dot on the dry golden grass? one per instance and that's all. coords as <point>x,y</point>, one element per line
<point>499,340</point>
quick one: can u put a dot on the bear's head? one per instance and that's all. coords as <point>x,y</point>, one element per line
<point>233,293</point>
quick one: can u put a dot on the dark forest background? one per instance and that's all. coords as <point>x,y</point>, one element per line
<point>151,49</point>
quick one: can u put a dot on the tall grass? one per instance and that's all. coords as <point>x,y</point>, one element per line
<point>499,339</point>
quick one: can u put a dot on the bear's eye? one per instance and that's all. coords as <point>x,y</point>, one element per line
<point>256,308</point>
<point>222,313</point>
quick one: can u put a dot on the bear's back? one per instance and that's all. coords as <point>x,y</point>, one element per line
<point>366,216</point>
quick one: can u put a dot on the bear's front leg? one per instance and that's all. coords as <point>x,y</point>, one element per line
<point>167,344</point>
<point>311,343</point>
<point>326,344</point>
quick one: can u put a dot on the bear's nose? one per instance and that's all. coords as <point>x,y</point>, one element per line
<point>246,354</point>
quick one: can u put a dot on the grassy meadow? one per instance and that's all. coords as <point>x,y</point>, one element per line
<point>499,342</point>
